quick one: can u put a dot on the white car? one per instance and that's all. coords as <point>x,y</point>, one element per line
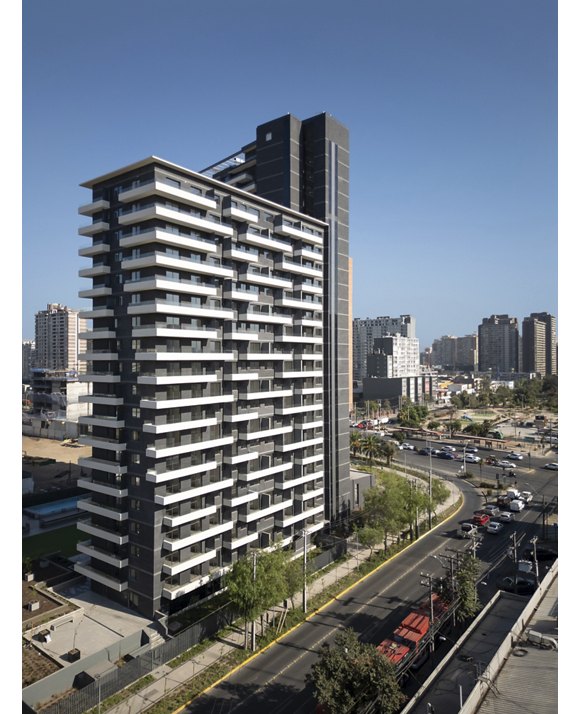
<point>552,467</point>
<point>506,464</point>
<point>526,496</point>
<point>494,527</point>
<point>515,456</point>
<point>505,516</point>
<point>472,459</point>
<point>405,445</point>
<point>445,447</point>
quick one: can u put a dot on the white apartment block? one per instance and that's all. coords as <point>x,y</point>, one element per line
<point>366,330</point>
<point>57,340</point>
<point>206,358</point>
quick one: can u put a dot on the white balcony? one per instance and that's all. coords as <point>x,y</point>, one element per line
<point>109,467</point>
<point>256,515</point>
<point>273,394</point>
<point>175,568</point>
<point>309,288</point>
<point>192,493</point>
<point>179,334</point>
<point>95,292</point>
<point>192,402</point>
<point>93,228</point>
<point>188,448</point>
<point>171,215</point>
<point>245,315</point>
<point>308,356</point>
<point>158,235</point>
<point>100,443</point>
<point>298,304</point>
<point>93,574</point>
<point>264,241</point>
<point>265,434</point>
<point>308,322</point>
<point>241,417</point>
<point>299,375</point>
<point>268,280</point>
<point>158,186</point>
<point>173,545</point>
<point>163,307</point>
<point>309,390</point>
<point>241,214</point>
<point>303,444</point>
<point>100,334</point>
<point>299,410</point>
<point>95,249</point>
<point>96,270</point>
<point>185,287</point>
<point>245,256</point>
<point>104,399</point>
<point>297,231</point>
<point>185,357</point>
<point>315,527</point>
<point>178,379</point>
<point>241,295</point>
<point>241,458</point>
<point>299,340</point>
<point>286,521</point>
<point>309,425</point>
<point>108,421</point>
<point>101,510</point>
<point>174,521</point>
<point>97,487</point>
<point>265,473</point>
<point>106,378</point>
<point>309,495</point>
<point>88,209</point>
<point>249,336</point>
<point>96,313</point>
<point>310,254</point>
<point>162,260</point>
<point>178,426</point>
<point>239,542</point>
<point>240,500</point>
<point>155,477</point>
<point>291,267</point>
<point>242,377</point>
<point>174,591</point>
<point>299,481</point>
<point>102,555</point>
<point>307,460</point>
<point>104,533</point>
<point>96,356</point>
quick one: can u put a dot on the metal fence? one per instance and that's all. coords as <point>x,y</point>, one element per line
<point>90,694</point>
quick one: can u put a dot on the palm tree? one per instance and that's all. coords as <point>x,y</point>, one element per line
<point>388,451</point>
<point>355,443</point>
<point>371,447</point>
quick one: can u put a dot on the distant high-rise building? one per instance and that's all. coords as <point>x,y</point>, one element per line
<point>445,352</point>
<point>498,338</point>
<point>394,356</point>
<point>58,338</point>
<point>364,332</point>
<point>539,344</point>
<point>467,353</point>
<point>27,359</point>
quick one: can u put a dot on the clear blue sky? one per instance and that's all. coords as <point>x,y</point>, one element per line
<point>451,107</point>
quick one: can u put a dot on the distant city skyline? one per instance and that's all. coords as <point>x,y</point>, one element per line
<point>451,109</point>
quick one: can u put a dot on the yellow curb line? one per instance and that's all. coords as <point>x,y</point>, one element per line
<point>310,616</point>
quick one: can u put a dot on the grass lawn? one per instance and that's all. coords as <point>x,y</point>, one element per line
<point>63,540</point>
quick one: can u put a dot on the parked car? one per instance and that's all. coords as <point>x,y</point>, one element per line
<point>407,446</point>
<point>519,584</point>
<point>506,464</point>
<point>481,519</point>
<point>526,496</point>
<point>551,467</point>
<point>466,530</point>
<point>446,447</point>
<point>515,456</point>
<point>505,516</point>
<point>494,527</point>
<point>491,510</point>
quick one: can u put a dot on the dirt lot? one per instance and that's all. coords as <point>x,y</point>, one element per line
<point>51,449</point>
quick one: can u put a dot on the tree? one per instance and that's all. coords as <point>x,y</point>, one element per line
<point>371,447</point>
<point>368,537</point>
<point>355,442</point>
<point>383,507</point>
<point>352,675</point>
<point>388,451</point>
<point>433,425</point>
<point>294,577</point>
<point>466,587</point>
<point>454,426</point>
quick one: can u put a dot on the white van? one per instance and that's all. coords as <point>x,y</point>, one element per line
<point>517,505</point>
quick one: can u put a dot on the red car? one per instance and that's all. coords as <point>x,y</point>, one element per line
<point>480,519</point>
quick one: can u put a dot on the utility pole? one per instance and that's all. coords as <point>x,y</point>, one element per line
<point>430,485</point>
<point>429,584</point>
<point>304,594</point>
<point>533,541</point>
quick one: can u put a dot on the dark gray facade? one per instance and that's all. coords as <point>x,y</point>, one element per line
<point>305,165</point>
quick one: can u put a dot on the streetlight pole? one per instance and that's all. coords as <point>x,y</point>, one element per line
<point>304,593</point>
<point>429,583</point>
<point>430,485</point>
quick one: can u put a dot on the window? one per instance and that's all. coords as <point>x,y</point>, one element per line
<point>136,412</point>
<point>268,136</point>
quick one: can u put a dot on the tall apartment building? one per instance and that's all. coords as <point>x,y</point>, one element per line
<point>209,380</point>
<point>27,359</point>
<point>304,165</point>
<point>460,353</point>
<point>366,330</point>
<point>57,340</point>
<point>445,351</point>
<point>531,349</point>
<point>394,356</point>
<point>467,353</point>
<point>498,338</point>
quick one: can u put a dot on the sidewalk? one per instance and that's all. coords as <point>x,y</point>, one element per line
<point>168,679</point>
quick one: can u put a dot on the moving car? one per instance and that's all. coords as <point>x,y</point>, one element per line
<point>472,459</point>
<point>515,456</point>
<point>446,447</point>
<point>526,496</point>
<point>505,516</point>
<point>405,445</point>
<point>520,584</point>
<point>471,449</point>
<point>517,505</point>
<point>506,464</point>
<point>481,519</point>
<point>494,527</point>
<point>552,467</point>
<point>446,455</point>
